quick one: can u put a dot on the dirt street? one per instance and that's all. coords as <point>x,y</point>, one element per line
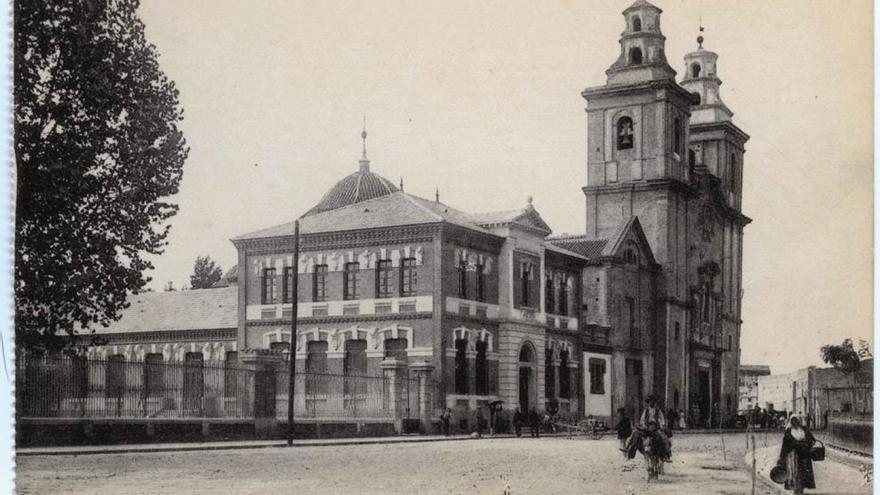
<point>527,466</point>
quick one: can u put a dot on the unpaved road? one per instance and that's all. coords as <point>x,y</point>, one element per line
<point>528,466</point>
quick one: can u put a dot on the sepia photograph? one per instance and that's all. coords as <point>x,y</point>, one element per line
<point>442,247</point>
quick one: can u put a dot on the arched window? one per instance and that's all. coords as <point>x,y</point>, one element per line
<point>549,375</point>
<point>624,133</point>
<point>637,23</point>
<point>635,55</point>
<point>525,354</point>
<point>732,172</point>
<point>461,366</point>
<point>677,136</point>
<point>695,70</point>
<point>697,98</point>
<point>549,293</point>
<point>564,376</point>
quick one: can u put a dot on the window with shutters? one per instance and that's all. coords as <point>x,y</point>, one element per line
<point>268,294</point>
<point>319,283</point>
<point>383,279</point>
<point>408,277</point>
<point>351,277</point>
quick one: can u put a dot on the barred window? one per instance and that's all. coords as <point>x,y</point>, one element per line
<point>230,374</point>
<point>383,279</point>
<point>268,295</point>
<point>354,367</point>
<point>153,374</point>
<point>319,283</point>
<point>408,277</point>
<point>351,276</point>
<point>316,366</point>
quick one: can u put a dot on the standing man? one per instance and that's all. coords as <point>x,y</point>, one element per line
<point>518,420</point>
<point>654,422</point>
<point>481,420</point>
<point>445,419</point>
<point>535,423</point>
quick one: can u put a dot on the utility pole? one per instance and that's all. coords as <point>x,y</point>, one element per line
<point>293,302</point>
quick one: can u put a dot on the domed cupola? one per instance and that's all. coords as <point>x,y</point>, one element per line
<point>701,79</point>
<point>359,186</point>
<point>642,44</point>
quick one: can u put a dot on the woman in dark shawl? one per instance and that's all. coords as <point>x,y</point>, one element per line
<point>795,456</point>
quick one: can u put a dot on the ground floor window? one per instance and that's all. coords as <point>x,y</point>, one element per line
<point>597,376</point>
<point>481,369</point>
<point>549,375</point>
<point>461,367</point>
<point>564,376</point>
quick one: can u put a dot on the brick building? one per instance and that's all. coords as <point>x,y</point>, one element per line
<point>493,307</point>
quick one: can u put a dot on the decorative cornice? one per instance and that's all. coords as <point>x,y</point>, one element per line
<point>340,239</point>
<point>342,319</point>
<point>170,336</point>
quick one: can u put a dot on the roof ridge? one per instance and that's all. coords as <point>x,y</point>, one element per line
<point>411,198</point>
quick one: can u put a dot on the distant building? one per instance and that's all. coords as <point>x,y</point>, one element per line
<point>748,384</point>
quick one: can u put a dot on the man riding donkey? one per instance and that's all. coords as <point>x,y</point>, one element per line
<point>653,423</point>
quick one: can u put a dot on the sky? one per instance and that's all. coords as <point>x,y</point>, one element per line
<point>481,100</point>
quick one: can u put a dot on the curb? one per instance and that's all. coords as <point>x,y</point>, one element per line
<point>218,446</point>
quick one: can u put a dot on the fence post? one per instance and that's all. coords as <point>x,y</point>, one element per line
<point>423,370</point>
<point>391,371</point>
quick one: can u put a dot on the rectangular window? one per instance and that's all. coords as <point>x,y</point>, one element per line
<point>549,375</point>
<point>549,300</point>
<point>153,374</point>
<point>351,276</point>
<point>319,283</point>
<point>635,338</point>
<point>354,367</point>
<point>268,295</point>
<point>408,277</point>
<point>597,376</point>
<point>396,349</point>
<point>383,279</point>
<point>279,346</point>
<point>193,380</point>
<point>563,297</point>
<point>287,292</point>
<point>462,278</point>
<point>480,280</point>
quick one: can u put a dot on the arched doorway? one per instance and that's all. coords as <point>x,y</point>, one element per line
<point>527,372</point>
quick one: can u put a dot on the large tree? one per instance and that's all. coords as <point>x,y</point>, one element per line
<point>841,357</point>
<point>205,273</point>
<point>97,153</point>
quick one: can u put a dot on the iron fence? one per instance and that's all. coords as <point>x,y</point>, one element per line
<point>78,387</point>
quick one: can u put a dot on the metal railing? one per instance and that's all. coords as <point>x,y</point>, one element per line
<point>77,387</point>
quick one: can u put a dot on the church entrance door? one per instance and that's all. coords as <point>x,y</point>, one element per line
<point>704,398</point>
<point>525,376</point>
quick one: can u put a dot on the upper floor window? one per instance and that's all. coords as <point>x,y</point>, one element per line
<point>637,23</point>
<point>549,294</point>
<point>695,70</point>
<point>408,277</point>
<point>563,297</point>
<point>527,276</point>
<point>480,279</point>
<point>635,56</point>
<point>319,283</point>
<point>462,278</point>
<point>350,280</point>
<point>268,292</point>
<point>624,133</point>
<point>287,291</point>
<point>677,136</point>
<point>383,279</point>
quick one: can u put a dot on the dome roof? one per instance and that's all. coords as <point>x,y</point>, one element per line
<point>359,186</point>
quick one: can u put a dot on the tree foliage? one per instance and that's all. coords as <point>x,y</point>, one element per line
<point>98,152</point>
<point>842,357</point>
<point>205,273</point>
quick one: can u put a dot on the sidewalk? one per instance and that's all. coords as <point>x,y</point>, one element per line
<point>831,476</point>
<point>246,444</point>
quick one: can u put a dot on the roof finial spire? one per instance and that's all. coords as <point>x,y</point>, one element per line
<point>401,183</point>
<point>364,162</point>
<point>437,195</point>
<point>700,37</point>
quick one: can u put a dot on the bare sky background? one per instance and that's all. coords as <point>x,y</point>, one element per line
<point>482,99</point>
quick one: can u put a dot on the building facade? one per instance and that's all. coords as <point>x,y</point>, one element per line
<point>748,384</point>
<point>492,305</point>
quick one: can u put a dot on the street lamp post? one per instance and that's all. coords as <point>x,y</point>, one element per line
<point>293,310</point>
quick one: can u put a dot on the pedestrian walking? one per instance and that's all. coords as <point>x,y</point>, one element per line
<point>794,457</point>
<point>535,423</point>
<point>518,419</point>
<point>445,419</point>
<point>480,420</point>
<point>624,428</point>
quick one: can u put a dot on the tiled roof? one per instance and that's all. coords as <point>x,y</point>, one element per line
<point>202,309</point>
<point>554,248</point>
<point>360,186</point>
<point>396,209</point>
<point>581,245</point>
<point>527,216</point>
